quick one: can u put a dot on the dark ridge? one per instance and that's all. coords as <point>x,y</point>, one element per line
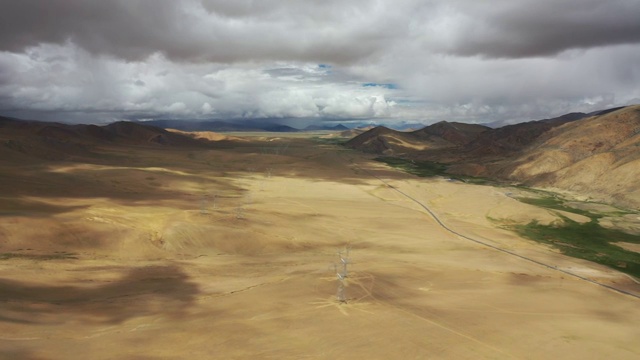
<point>453,132</point>
<point>57,141</point>
<point>512,138</point>
<point>373,140</point>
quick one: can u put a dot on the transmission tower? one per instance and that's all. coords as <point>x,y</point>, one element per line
<point>344,260</point>
<point>342,272</point>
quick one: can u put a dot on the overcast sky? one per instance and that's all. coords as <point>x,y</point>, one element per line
<point>381,61</point>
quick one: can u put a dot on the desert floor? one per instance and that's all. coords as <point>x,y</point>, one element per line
<point>229,253</point>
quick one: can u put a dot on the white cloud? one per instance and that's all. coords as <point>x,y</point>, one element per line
<point>206,109</point>
<point>446,60</point>
<point>108,88</point>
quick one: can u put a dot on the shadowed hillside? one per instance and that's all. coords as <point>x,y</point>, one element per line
<point>442,135</point>
<point>355,132</point>
<point>509,139</point>
<point>453,132</point>
<point>56,141</point>
<point>596,155</point>
<point>461,140</point>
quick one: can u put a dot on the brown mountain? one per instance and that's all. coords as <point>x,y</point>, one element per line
<point>439,136</point>
<point>379,140</point>
<point>598,156</point>
<point>45,140</point>
<point>355,132</point>
<point>507,140</point>
<point>453,141</point>
<point>453,132</point>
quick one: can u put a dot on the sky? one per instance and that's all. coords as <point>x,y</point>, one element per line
<point>336,61</point>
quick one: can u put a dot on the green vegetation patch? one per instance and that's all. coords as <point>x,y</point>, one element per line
<point>429,169</point>
<point>552,202</point>
<point>419,168</point>
<point>588,241</point>
<point>340,141</point>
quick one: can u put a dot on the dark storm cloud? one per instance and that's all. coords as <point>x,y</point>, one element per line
<point>332,30</point>
<point>219,31</point>
<point>531,28</point>
<point>130,29</point>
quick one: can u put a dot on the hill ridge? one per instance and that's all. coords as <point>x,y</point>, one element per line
<point>596,154</point>
<point>58,141</point>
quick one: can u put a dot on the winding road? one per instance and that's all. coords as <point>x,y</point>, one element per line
<point>509,252</point>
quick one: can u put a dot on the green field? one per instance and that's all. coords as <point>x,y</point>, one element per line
<point>341,141</point>
<point>429,169</point>
<point>589,241</point>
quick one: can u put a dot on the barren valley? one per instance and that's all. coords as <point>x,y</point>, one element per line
<point>230,250</point>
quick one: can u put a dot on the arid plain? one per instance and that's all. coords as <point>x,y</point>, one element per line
<point>228,253</point>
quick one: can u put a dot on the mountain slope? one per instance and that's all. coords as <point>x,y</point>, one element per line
<point>21,139</point>
<point>382,140</point>
<point>439,136</point>
<point>598,156</point>
<point>507,140</point>
<point>375,140</point>
<point>453,132</point>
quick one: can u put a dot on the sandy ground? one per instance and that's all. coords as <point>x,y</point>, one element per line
<point>228,254</point>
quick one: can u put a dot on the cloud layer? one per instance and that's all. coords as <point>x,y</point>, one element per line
<point>92,61</point>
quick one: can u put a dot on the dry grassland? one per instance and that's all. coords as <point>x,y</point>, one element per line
<point>227,254</point>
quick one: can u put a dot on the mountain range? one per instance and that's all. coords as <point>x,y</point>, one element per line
<point>20,139</point>
<point>596,154</point>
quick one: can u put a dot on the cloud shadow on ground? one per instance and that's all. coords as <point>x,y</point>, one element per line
<point>141,291</point>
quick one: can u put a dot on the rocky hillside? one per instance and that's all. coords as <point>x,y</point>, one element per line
<point>439,136</point>
<point>598,156</point>
<point>355,132</point>
<point>508,140</point>
<point>460,140</point>
<point>455,133</point>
